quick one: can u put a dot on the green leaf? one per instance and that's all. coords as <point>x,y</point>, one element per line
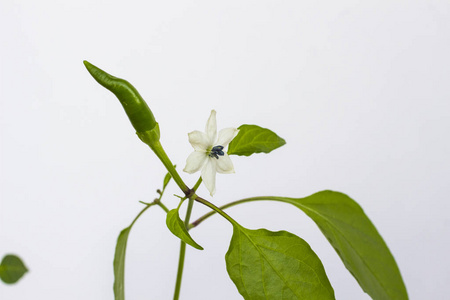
<point>275,265</point>
<point>12,269</point>
<point>119,264</point>
<point>254,139</point>
<point>177,227</point>
<point>166,180</point>
<point>356,240</point>
<point>119,258</point>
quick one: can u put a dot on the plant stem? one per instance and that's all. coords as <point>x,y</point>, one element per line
<point>159,151</point>
<point>159,203</point>
<point>142,211</point>
<point>182,254</point>
<point>188,212</point>
<point>176,294</point>
<point>207,215</point>
<point>215,209</point>
<point>197,184</point>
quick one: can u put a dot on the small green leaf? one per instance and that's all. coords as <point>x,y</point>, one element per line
<point>177,227</point>
<point>275,265</point>
<point>356,240</point>
<point>119,258</point>
<point>12,269</point>
<point>166,180</point>
<point>119,264</point>
<point>254,139</point>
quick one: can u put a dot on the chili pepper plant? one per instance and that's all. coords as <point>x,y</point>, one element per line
<point>262,264</point>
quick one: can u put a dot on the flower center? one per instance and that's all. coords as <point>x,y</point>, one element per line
<point>216,151</point>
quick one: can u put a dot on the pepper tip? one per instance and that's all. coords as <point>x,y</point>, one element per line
<point>86,63</point>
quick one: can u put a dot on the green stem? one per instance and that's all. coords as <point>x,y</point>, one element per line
<point>188,212</point>
<point>142,211</point>
<point>197,184</point>
<point>215,209</point>
<point>159,151</point>
<point>182,252</point>
<point>181,256</point>
<point>159,203</point>
<point>207,215</point>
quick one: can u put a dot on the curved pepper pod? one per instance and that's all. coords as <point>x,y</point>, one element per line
<point>138,112</point>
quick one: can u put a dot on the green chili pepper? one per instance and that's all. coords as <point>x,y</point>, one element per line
<point>140,115</point>
<point>138,112</point>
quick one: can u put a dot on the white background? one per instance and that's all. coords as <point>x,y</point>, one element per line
<point>360,91</point>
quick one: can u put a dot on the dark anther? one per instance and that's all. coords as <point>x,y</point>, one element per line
<point>216,151</point>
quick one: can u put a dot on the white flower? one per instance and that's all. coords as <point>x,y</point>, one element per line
<point>209,155</point>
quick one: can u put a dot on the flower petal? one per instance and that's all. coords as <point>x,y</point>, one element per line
<point>224,165</point>
<point>195,161</point>
<point>209,175</point>
<point>199,140</point>
<point>226,135</point>
<point>211,128</point>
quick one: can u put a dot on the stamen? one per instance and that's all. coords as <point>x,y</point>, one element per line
<point>216,151</point>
